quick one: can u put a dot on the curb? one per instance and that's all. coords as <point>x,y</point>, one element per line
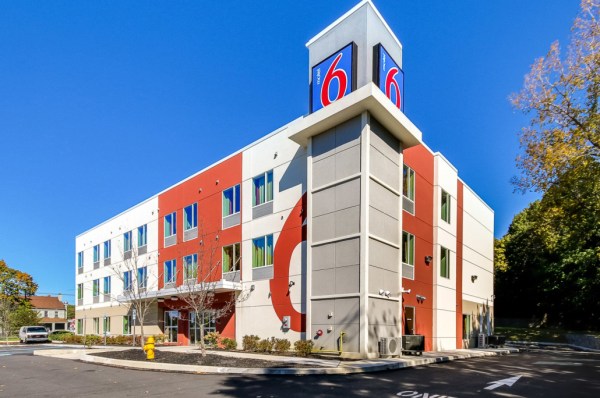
<point>366,366</point>
<point>547,343</point>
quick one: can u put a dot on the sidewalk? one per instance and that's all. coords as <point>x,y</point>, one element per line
<point>322,366</point>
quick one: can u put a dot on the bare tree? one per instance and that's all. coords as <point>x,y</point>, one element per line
<point>200,281</point>
<point>134,273</point>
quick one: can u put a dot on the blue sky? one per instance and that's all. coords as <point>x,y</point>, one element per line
<point>105,103</point>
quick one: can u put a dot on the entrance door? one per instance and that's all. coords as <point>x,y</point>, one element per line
<point>171,318</point>
<point>206,320</point>
<point>409,320</point>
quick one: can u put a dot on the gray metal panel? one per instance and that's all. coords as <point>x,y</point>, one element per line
<point>384,256</point>
<point>347,134</point>
<point>323,282</point>
<point>347,252</point>
<point>383,226</point>
<point>347,310</point>
<point>231,220</point>
<point>347,279</point>
<point>347,221</point>
<point>232,276</point>
<point>261,273</point>
<point>323,256</point>
<point>97,265</point>
<point>190,234</point>
<point>384,142</point>
<point>127,255</point>
<point>384,312</point>
<point>384,200</point>
<point>347,162</point>
<point>80,270</point>
<point>323,227</point>
<point>384,169</point>
<point>143,249</point>
<point>323,202</point>
<point>262,210</point>
<point>170,240</point>
<point>106,261</point>
<point>106,298</point>
<point>79,302</point>
<point>382,279</point>
<point>408,271</point>
<point>347,194</point>
<point>323,145</point>
<point>324,171</point>
<point>96,299</point>
<point>169,285</point>
<point>408,205</point>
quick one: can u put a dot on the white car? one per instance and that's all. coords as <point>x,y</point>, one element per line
<point>33,333</point>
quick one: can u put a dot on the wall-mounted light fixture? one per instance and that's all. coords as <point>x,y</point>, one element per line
<point>252,287</point>
<point>292,283</point>
<point>217,182</point>
<point>473,278</point>
<point>275,156</point>
<point>387,293</point>
<point>428,260</point>
<point>405,291</point>
<point>420,298</point>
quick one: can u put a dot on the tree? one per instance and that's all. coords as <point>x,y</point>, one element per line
<point>198,290</point>
<point>23,315</point>
<point>15,288</point>
<point>563,98</point>
<point>133,273</point>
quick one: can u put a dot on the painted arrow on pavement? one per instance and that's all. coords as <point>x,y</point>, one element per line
<point>504,382</point>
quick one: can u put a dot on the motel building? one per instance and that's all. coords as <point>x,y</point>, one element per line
<point>342,226</point>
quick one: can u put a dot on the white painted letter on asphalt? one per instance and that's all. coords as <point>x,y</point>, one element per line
<point>504,382</point>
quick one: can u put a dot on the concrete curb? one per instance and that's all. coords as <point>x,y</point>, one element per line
<point>546,344</point>
<point>333,367</point>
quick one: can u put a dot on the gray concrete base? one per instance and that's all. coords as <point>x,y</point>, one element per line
<point>322,366</point>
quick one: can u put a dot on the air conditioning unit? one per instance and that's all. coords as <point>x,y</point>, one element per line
<point>389,346</point>
<point>481,341</point>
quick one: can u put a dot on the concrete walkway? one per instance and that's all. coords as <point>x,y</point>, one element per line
<point>322,366</point>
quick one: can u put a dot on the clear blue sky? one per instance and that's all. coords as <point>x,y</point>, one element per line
<point>105,103</point>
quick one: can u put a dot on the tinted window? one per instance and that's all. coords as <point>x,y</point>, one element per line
<point>36,330</point>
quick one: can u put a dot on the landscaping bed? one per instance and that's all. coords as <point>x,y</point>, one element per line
<point>197,359</point>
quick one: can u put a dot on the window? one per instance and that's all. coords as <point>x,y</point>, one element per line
<point>143,235</point>
<point>408,180</point>
<point>262,251</point>
<point>96,287</point>
<point>96,326</point>
<point>106,285</point>
<point>107,249</point>
<point>45,314</point>
<point>231,258</point>
<point>96,253</point>
<point>170,271</point>
<point>231,201</point>
<point>170,224</point>
<point>263,188</point>
<point>127,281</point>
<point>444,262</point>
<point>467,328</point>
<point>80,291</point>
<point>445,207</point>
<point>142,277</point>
<point>408,248</point>
<point>409,320</point>
<point>127,324</point>
<point>190,266</point>
<point>190,217</point>
<point>80,260</point>
<point>56,314</point>
<point>80,326</point>
<point>127,241</point>
<point>171,328</point>
<point>106,325</point>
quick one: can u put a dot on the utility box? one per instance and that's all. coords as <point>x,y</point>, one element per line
<point>481,341</point>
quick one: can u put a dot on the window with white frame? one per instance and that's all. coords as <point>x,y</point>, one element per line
<point>127,281</point>
<point>127,243</point>
<point>96,253</point>
<point>445,206</point>
<point>190,217</point>
<point>231,201</point>
<point>408,183</point>
<point>262,251</point>
<point>408,255</point>
<point>96,287</point>
<point>142,277</point>
<point>56,314</point>
<point>444,262</point>
<point>107,283</point>
<point>80,291</point>
<point>142,235</point>
<point>96,325</point>
<point>127,324</point>
<point>170,224</point>
<point>106,325</point>
<point>170,271</point>
<point>231,258</point>
<point>80,260</point>
<point>190,266</point>
<point>263,188</point>
<point>107,249</point>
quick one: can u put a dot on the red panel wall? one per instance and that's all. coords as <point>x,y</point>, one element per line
<point>421,226</point>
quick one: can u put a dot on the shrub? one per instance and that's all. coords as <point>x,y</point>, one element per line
<point>282,345</point>
<point>59,335</point>
<point>92,339</point>
<point>212,338</point>
<point>265,345</point>
<point>303,347</point>
<point>229,344</point>
<point>250,342</point>
<point>73,339</point>
<point>159,338</point>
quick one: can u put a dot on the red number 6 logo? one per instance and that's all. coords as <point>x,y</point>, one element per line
<point>392,84</point>
<point>331,74</point>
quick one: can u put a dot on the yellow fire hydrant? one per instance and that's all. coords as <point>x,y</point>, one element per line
<point>149,348</point>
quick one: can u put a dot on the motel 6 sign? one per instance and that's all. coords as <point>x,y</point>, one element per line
<point>388,76</point>
<point>333,78</point>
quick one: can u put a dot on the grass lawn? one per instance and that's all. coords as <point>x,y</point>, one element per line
<point>11,338</point>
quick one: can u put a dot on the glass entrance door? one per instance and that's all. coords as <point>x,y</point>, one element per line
<point>205,320</point>
<point>171,318</point>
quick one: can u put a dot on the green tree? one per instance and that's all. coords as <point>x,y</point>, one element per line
<point>23,315</point>
<point>562,96</point>
<point>15,288</point>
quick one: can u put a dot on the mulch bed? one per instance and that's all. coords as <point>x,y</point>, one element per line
<point>197,359</point>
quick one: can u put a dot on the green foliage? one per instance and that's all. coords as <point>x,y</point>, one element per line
<point>15,288</point>
<point>60,335</point>
<point>303,347</point>
<point>265,345</point>
<point>250,342</point>
<point>212,339</point>
<point>229,344</point>
<point>23,315</point>
<point>282,345</point>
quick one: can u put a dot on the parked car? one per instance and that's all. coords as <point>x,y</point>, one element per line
<point>33,333</point>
